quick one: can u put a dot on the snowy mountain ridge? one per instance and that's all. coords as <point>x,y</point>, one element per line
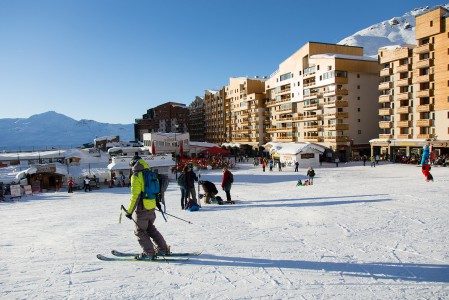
<point>51,129</point>
<point>396,31</point>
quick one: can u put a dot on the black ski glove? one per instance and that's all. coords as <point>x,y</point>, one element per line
<point>129,216</point>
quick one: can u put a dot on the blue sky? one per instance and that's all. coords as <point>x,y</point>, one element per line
<point>110,61</point>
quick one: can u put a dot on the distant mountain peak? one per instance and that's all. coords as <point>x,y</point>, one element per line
<point>52,129</point>
<point>396,31</point>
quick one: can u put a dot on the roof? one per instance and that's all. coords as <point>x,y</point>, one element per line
<point>122,162</point>
<point>294,148</point>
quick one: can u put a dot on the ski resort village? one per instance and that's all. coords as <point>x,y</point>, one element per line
<point>327,179</point>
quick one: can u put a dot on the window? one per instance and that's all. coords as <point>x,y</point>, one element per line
<point>358,120</point>
<point>358,75</point>
<point>358,87</point>
<point>359,132</point>
<point>358,98</point>
<point>358,109</point>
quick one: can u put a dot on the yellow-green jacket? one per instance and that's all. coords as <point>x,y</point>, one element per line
<point>137,188</point>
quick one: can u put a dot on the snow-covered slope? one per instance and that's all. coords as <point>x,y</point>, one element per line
<point>52,129</point>
<point>396,31</point>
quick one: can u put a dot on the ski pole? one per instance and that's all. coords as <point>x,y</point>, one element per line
<point>177,217</point>
<point>146,234</point>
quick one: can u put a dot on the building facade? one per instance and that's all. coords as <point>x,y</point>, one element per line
<point>214,110</point>
<point>196,122</point>
<point>414,100</point>
<point>167,117</point>
<point>244,110</point>
<point>326,94</point>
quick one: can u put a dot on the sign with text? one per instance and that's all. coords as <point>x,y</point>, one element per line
<point>307,155</point>
<point>27,190</point>
<point>15,191</point>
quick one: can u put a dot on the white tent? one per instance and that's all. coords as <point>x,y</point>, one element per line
<point>307,154</point>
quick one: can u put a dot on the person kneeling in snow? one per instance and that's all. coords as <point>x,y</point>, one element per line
<point>210,191</point>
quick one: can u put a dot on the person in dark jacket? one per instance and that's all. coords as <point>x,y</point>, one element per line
<point>190,184</point>
<point>310,175</point>
<point>210,190</point>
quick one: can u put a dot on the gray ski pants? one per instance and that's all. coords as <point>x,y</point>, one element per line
<point>145,230</point>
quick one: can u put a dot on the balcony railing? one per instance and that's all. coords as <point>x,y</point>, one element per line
<point>424,123</point>
<point>424,93</point>
<point>386,72</point>
<point>385,136</point>
<point>424,108</point>
<point>385,98</point>
<point>404,82</point>
<point>385,124</point>
<point>404,136</point>
<point>403,123</point>
<point>385,111</point>
<point>424,63</point>
<point>423,49</point>
<point>385,85</point>
<point>404,110</point>
<point>424,136</point>
<point>423,78</point>
<point>403,68</point>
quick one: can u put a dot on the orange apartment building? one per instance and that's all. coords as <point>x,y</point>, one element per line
<point>244,109</point>
<point>326,94</point>
<point>414,100</point>
<point>214,116</point>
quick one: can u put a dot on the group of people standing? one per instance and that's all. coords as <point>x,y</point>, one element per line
<point>186,182</point>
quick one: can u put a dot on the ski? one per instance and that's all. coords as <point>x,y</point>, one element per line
<point>129,259</point>
<point>175,254</point>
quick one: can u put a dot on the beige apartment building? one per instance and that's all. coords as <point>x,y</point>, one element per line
<point>414,100</point>
<point>244,108</point>
<point>326,94</point>
<point>214,119</point>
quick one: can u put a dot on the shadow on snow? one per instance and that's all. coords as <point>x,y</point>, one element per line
<point>392,271</point>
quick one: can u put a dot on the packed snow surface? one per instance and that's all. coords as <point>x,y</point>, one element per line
<point>357,233</point>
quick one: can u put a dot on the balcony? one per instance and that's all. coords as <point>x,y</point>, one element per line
<point>404,82</point>
<point>340,115</point>
<point>338,138</point>
<point>339,92</point>
<point>423,49</point>
<point>311,118</point>
<point>313,139</point>
<point>286,138</point>
<point>313,106</point>
<point>385,136</point>
<point>425,136</point>
<point>424,63</point>
<point>385,112</point>
<point>402,96</point>
<point>404,110</point>
<point>333,127</point>
<point>386,72</point>
<point>403,123</point>
<point>341,80</point>
<point>385,124</point>
<point>404,136</point>
<point>385,85</point>
<point>336,103</point>
<point>423,78</point>
<point>385,98</point>
<point>424,93</point>
<point>424,108</point>
<point>403,68</point>
<point>285,90</point>
<point>424,123</point>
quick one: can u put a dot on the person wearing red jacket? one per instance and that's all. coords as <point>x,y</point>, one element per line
<point>226,183</point>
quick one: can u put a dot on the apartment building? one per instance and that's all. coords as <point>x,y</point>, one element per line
<point>244,109</point>
<point>167,117</point>
<point>414,100</point>
<point>325,94</point>
<point>196,122</point>
<point>214,119</point>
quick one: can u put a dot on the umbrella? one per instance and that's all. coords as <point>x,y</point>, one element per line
<point>215,151</point>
